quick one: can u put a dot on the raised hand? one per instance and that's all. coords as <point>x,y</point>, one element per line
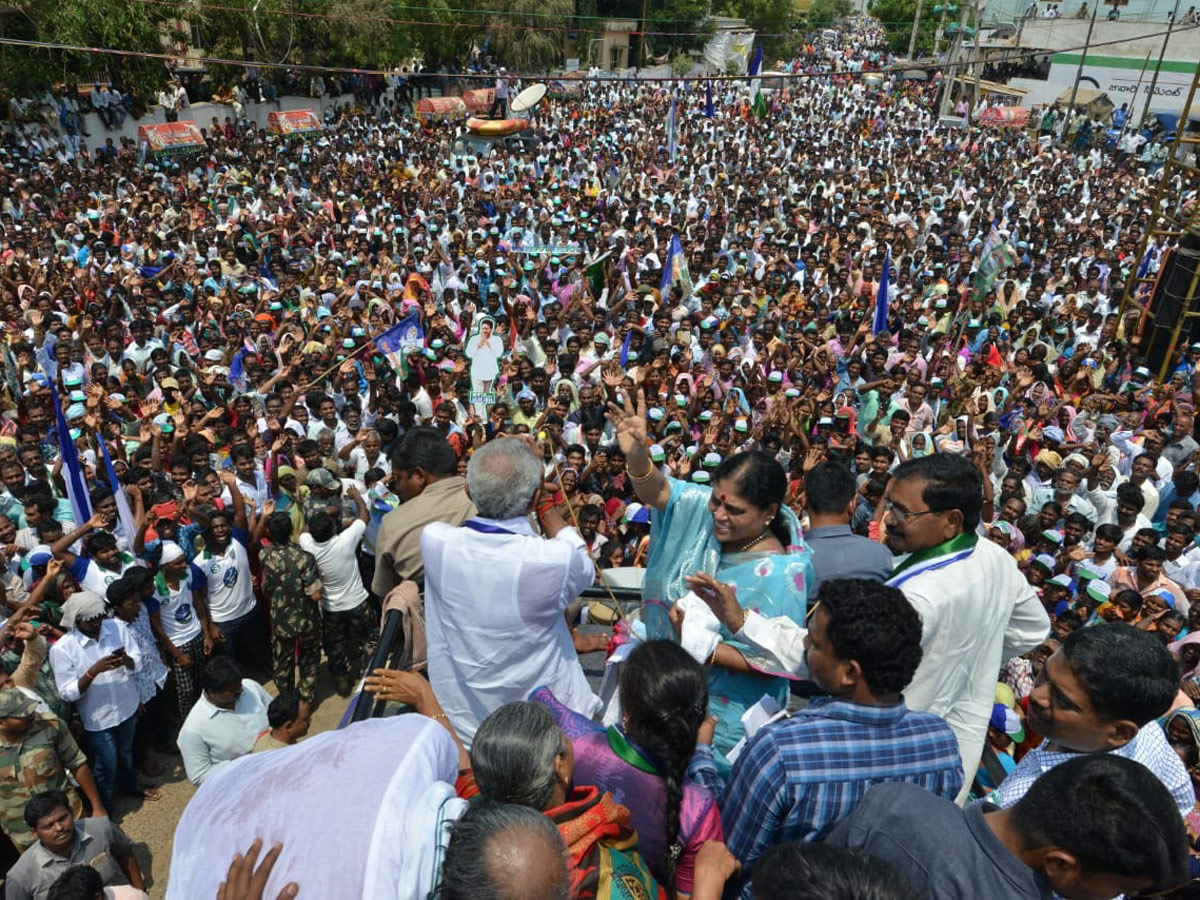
<point>630,423</point>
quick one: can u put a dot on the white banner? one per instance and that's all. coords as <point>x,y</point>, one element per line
<point>728,52</point>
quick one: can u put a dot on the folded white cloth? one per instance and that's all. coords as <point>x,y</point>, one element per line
<point>701,628</point>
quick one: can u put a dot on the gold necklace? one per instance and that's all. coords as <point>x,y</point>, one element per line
<point>742,548</point>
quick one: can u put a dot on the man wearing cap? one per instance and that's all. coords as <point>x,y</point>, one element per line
<point>324,494</point>
<point>37,752</point>
<point>93,667</point>
<point>180,622</point>
<point>526,414</point>
<point>500,100</point>
<point>1045,464</point>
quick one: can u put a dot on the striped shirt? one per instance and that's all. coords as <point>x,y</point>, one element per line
<point>1148,747</point>
<point>799,777</point>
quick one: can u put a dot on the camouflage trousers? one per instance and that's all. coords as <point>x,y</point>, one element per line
<point>350,638</point>
<point>292,652</point>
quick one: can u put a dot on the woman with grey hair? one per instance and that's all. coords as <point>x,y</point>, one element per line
<point>521,756</point>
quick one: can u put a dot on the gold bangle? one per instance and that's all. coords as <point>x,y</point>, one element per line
<point>441,716</point>
<point>649,472</point>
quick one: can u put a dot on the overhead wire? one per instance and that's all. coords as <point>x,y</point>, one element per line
<point>579,76</point>
<point>437,23</point>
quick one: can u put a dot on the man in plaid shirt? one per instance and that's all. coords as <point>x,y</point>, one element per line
<point>800,776</point>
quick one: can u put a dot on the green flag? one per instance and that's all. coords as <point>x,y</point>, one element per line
<point>760,105</point>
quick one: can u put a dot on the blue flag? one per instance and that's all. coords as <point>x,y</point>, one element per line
<point>674,258</point>
<point>124,513</point>
<point>1144,265</point>
<point>625,347</point>
<point>881,299</point>
<point>400,338</point>
<point>237,370</point>
<point>672,137</point>
<point>72,471</point>
<point>756,63</point>
<point>708,104</point>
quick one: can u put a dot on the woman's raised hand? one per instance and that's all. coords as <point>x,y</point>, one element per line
<point>630,422</point>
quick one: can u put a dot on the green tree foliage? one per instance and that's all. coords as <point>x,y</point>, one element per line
<point>353,33</point>
<point>117,24</point>
<point>531,35</point>
<point>897,18</point>
<point>447,42</point>
<point>824,13</point>
<point>663,16</point>
<point>773,19</point>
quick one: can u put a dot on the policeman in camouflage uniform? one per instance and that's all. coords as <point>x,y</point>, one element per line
<point>324,493</point>
<point>293,585</point>
<point>36,753</point>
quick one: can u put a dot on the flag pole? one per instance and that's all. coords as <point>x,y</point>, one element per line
<point>350,357</point>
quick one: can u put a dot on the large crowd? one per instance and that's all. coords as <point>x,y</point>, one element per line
<point>849,395</point>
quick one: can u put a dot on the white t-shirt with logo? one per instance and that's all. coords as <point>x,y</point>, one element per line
<point>176,609</point>
<point>227,579</point>
<point>92,577</point>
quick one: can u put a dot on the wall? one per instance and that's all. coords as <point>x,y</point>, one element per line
<point>202,114</point>
<point>1118,51</point>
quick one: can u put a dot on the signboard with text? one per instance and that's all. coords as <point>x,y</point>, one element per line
<point>293,121</point>
<point>171,137</point>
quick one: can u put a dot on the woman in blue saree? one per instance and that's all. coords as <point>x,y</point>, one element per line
<point>737,531</point>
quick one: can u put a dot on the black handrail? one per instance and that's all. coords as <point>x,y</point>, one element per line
<point>390,646</point>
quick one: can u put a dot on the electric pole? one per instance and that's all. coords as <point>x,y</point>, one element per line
<point>1087,42</point>
<point>1154,78</point>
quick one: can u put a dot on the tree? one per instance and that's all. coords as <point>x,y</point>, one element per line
<point>824,13</point>
<point>450,39</point>
<point>116,24</point>
<point>897,18</point>
<point>349,33</point>
<point>682,25</point>
<point>531,35</point>
<point>773,19</point>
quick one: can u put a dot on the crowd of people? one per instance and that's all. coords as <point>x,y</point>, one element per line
<point>852,397</point>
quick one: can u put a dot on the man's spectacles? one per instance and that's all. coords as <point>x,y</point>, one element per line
<point>903,515</point>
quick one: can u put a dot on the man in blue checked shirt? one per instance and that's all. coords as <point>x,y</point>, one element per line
<point>800,776</point>
<point>1103,692</point>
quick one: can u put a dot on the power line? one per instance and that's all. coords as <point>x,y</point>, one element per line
<point>578,77</point>
<point>390,20</point>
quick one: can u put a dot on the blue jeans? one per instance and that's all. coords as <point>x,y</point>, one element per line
<point>112,763</point>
